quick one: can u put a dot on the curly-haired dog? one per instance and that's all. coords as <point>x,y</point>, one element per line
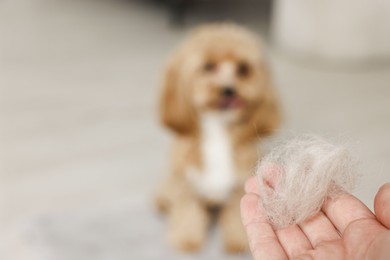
<point>218,100</point>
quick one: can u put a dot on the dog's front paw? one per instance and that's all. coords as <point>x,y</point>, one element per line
<point>234,238</point>
<point>236,245</point>
<point>188,240</point>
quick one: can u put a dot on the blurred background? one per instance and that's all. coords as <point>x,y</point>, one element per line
<point>81,150</point>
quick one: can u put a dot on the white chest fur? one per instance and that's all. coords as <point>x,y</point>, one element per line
<point>217,178</point>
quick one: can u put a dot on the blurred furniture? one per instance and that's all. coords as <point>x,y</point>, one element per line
<point>335,30</point>
<point>177,9</point>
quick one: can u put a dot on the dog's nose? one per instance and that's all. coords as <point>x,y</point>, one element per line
<point>228,92</point>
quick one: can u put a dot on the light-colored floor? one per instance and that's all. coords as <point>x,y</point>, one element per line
<point>80,147</point>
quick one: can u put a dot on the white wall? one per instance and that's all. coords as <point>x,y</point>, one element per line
<point>341,30</point>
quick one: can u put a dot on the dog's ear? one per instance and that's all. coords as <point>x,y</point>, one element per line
<point>176,112</point>
<point>267,116</point>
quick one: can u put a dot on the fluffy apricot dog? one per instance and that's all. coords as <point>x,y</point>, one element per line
<point>218,100</point>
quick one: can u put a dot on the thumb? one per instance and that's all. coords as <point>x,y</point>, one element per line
<point>382,205</point>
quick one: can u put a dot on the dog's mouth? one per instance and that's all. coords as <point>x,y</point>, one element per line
<point>229,103</point>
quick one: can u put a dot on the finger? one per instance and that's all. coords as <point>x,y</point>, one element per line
<point>293,240</point>
<point>344,209</point>
<point>319,229</point>
<point>263,241</point>
<point>270,175</point>
<point>252,185</point>
<point>382,205</point>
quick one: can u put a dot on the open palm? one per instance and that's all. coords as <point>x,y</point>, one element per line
<point>344,229</point>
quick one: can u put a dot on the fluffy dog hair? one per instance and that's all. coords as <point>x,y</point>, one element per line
<point>218,100</point>
<point>296,178</point>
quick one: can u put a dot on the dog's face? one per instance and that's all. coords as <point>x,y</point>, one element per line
<point>224,77</point>
<point>219,69</point>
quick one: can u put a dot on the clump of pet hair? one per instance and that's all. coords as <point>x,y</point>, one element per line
<point>296,178</point>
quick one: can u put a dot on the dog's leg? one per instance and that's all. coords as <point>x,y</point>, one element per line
<point>188,223</point>
<point>233,233</point>
<point>164,194</point>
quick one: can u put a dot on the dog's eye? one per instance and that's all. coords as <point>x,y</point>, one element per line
<point>243,69</point>
<point>209,66</point>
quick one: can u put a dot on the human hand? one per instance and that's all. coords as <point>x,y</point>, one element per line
<point>344,229</point>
